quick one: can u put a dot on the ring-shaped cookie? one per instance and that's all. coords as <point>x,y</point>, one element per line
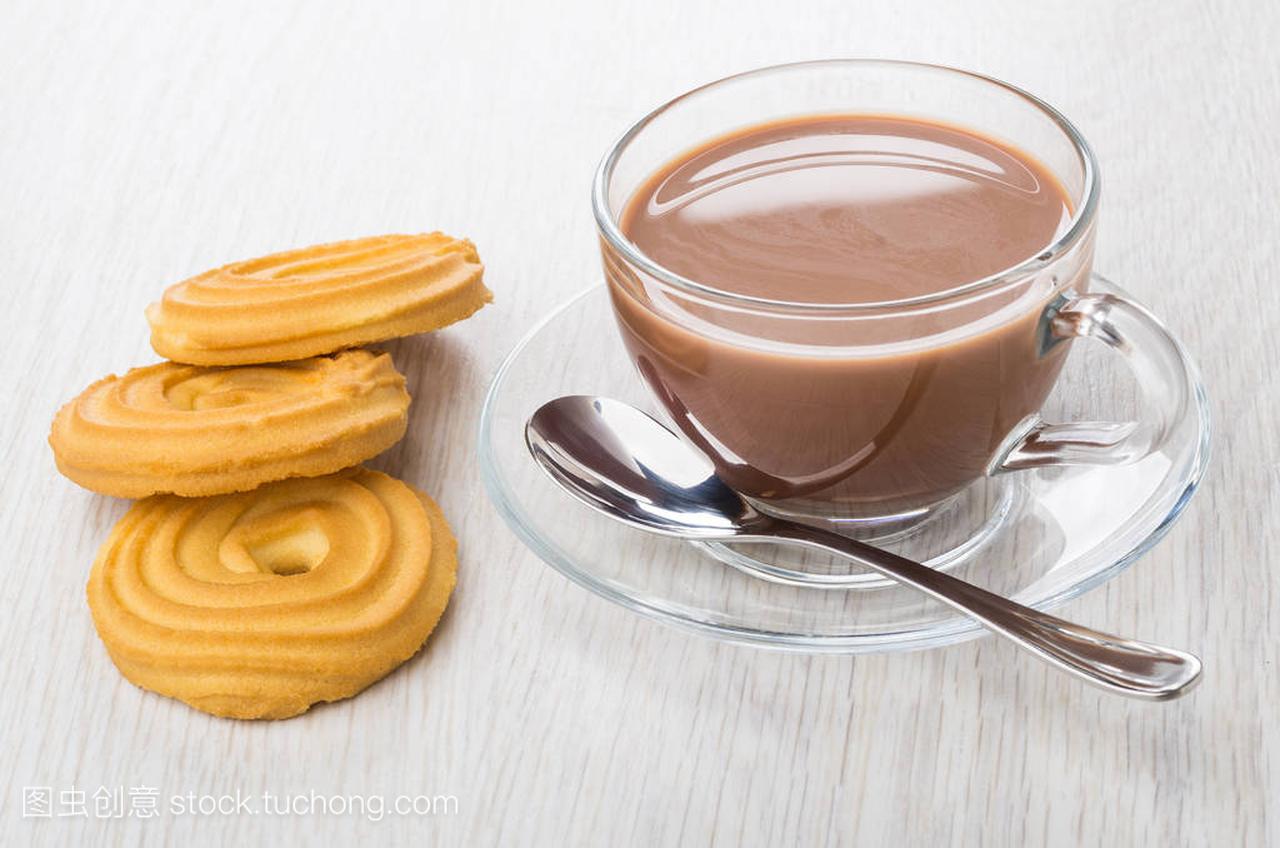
<point>319,299</point>
<point>201,431</point>
<point>259,604</point>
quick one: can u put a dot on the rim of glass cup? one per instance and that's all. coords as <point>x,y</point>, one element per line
<point>1081,219</point>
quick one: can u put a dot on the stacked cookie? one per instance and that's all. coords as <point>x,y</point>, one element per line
<point>264,571</point>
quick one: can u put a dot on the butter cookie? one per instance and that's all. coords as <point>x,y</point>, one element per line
<point>319,299</point>
<point>259,604</point>
<point>200,431</point>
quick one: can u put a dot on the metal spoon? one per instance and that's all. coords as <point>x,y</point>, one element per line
<point>626,465</point>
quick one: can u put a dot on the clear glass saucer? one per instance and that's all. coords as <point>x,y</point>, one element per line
<point>1040,536</point>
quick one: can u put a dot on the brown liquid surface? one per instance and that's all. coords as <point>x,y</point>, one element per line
<point>843,209</point>
<point>846,209</point>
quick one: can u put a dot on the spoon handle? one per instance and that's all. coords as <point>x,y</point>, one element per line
<point>1124,666</point>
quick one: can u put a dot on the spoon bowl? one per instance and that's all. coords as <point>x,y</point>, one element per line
<point>628,466</point>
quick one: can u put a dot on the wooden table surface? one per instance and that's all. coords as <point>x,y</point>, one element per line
<point>141,143</point>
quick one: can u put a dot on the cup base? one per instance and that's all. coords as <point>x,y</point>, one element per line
<point>943,535</point>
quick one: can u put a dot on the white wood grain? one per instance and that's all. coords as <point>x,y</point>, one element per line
<point>141,143</point>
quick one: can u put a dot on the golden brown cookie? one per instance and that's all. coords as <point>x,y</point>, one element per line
<point>319,299</point>
<point>203,431</point>
<point>260,604</point>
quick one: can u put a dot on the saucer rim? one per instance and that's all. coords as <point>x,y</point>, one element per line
<point>952,631</point>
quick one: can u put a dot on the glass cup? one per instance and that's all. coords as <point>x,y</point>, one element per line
<point>875,413</point>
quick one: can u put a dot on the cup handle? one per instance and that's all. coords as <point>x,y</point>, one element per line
<point>1156,360</point>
